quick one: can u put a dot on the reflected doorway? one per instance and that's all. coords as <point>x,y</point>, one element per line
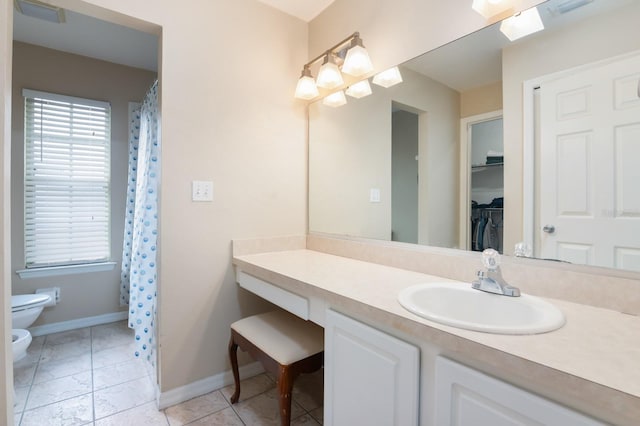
<point>404,176</point>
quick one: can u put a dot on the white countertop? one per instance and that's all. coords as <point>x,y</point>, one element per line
<point>594,357</point>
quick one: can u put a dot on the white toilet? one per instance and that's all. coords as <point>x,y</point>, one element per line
<point>25,309</point>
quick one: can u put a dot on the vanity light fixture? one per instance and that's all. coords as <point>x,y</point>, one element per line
<point>335,99</point>
<point>359,90</point>
<point>522,24</point>
<point>492,8</point>
<point>329,76</point>
<point>356,63</point>
<point>306,88</point>
<point>388,77</point>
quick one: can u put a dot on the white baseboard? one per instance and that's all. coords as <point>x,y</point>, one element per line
<point>206,385</point>
<point>56,327</point>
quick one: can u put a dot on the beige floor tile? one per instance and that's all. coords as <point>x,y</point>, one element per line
<point>118,373</point>
<point>122,397</point>
<point>304,420</point>
<point>308,390</point>
<point>116,355</point>
<point>250,387</point>
<point>20,399</point>
<point>226,417</point>
<point>65,350</point>
<point>59,389</point>
<point>81,335</point>
<point>111,335</point>
<point>61,368</point>
<point>70,412</point>
<point>318,414</point>
<point>23,373</point>
<point>143,415</point>
<point>196,408</point>
<point>262,410</point>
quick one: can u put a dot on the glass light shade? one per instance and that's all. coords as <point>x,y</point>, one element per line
<point>357,62</point>
<point>388,78</point>
<point>329,75</point>
<point>522,24</point>
<point>359,90</point>
<point>335,99</point>
<point>306,88</point>
<point>491,8</point>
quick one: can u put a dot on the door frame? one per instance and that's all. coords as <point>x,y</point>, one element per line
<point>464,227</point>
<point>529,187</point>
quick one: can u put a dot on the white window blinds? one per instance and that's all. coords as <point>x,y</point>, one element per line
<point>67,186</point>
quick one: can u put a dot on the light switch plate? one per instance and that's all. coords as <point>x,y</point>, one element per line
<point>374,195</point>
<point>202,190</point>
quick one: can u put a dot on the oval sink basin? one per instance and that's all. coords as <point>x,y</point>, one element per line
<point>459,305</point>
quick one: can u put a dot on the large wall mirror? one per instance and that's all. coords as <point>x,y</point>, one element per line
<point>489,142</point>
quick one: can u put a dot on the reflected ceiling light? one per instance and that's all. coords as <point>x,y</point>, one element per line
<point>329,75</point>
<point>522,24</point>
<point>359,90</point>
<point>388,78</point>
<point>491,8</point>
<point>306,88</point>
<point>357,61</point>
<point>40,10</point>
<point>335,99</point>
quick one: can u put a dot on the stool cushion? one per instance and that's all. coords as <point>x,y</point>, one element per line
<point>284,337</point>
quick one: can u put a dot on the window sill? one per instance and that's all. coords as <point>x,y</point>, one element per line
<point>65,270</point>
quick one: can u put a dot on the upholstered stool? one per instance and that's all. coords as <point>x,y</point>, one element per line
<point>285,345</point>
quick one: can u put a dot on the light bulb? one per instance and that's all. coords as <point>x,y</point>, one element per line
<point>335,99</point>
<point>357,61</point>
<point>329,75</point>
<point>522,24</point>
<point>359,90</point>
<point>388,78</point>
<point>306,87</point>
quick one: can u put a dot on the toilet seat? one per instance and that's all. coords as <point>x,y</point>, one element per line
<point>20,341</point>
<point>27,301</point>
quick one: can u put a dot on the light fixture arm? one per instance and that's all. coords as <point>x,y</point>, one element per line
<point>336,48</point>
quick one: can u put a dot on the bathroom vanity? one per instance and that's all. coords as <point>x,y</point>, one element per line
<point>395,367</point>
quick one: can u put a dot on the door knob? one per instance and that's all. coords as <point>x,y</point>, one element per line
<point>549,229</point>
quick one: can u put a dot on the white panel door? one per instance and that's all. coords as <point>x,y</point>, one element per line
<point>466,397</point>
<point>370,377</point>
<point>589,210</point>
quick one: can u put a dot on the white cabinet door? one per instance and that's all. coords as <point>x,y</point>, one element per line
<point>370,377</point>
<point>466,397</point>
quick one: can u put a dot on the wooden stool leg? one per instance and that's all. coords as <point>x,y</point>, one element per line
<point>233,356</point>
<point>285,388</point>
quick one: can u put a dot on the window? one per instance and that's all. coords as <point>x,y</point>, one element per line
<point>67,182</point>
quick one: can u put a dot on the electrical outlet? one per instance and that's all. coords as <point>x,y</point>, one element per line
<point>201,190</point>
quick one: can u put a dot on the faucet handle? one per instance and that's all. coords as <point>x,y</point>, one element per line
<point>491,259</point>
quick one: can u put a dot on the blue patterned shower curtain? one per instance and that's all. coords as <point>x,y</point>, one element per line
<point>139,264</point>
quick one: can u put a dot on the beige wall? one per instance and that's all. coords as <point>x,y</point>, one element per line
<point>591,40</point>
<point>34,67</point>
<point>6,357</point>
<point>480,100</point>
<point>228,71</point>
<point>350,153</point>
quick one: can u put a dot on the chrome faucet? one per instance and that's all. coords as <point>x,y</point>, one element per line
<point>491,280</point>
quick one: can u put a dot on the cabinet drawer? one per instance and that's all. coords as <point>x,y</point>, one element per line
<point>291,302</point>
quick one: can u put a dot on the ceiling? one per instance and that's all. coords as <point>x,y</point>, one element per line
<point>303,9</point>
<point>87,36</point>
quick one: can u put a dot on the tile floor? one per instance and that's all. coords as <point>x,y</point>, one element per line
<point>89,376</point>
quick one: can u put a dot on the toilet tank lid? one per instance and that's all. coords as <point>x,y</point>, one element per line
<point>28,299</point>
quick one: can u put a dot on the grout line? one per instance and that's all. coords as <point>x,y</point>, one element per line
<point>93,393</point>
